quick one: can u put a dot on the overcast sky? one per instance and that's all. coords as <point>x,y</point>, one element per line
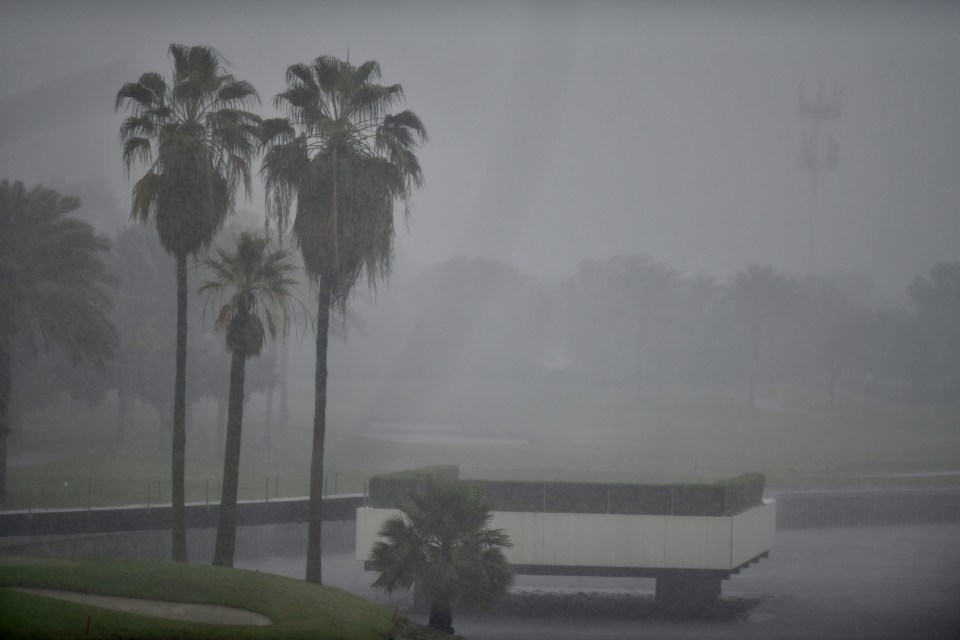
<point>565,131</point>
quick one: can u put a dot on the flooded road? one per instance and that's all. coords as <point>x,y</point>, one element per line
<point>898,582</point>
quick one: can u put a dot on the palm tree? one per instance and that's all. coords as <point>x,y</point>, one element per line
<point>936,302</point>
<point>52,286</point>
<point>761,294</point>
<point>345,160</point>
<point>646,292</point>
<point>443,541</point>
<point>198,142</point>
<point>259,278</point>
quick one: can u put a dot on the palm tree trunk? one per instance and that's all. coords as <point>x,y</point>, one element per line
<point>315,518</point>
<point>334,234</point>
<point>227,524</point>
<point>6,384</point>
<point>441,617</point>
<point>179,447</point>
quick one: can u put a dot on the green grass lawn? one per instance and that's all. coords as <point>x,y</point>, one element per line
<point>297,609</point>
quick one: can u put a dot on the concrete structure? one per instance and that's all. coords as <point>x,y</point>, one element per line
<point>688,555</point>
<point>614,544</point>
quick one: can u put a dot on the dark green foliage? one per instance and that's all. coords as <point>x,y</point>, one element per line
<point>345,160</point>
<point>53,286</point>
<point>443,542</point>
<point>722,498</point>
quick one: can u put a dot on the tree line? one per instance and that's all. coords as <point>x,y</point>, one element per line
<point>629,319</point>
<point>334,165</point>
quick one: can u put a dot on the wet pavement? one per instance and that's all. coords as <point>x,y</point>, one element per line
<point>896,582</point>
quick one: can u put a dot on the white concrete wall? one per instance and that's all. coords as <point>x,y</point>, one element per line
<point>753,532</point>
<point>615,540</point>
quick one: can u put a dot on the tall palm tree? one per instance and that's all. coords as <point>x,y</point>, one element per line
<point>443,540</point>
<point>52,286</point>
<point>197,141</point>
<point>260,285</point>
<point>345,160</point>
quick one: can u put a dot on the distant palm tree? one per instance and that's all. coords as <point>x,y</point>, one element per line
<point>198,142</point>
<point>647,292</point>
<point>346,160</point>
<point>254,281</point>
<point>53,286</point>
<point>761,294</point>
<point>443,541</point>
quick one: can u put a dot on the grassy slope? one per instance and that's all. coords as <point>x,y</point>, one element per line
<point>298,609</point>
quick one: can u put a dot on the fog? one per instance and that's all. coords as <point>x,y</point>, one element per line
<point>572,147</point>
<point>564,131</point>
<point>635,256</point>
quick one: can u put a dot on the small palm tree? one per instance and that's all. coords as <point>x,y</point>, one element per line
<point>53,285</point>
<point>259,281</point>
<point>345,159</point>
<point>443,541</point>
<point>198,141</point>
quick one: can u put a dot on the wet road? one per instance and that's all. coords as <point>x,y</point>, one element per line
<point>896,582</point>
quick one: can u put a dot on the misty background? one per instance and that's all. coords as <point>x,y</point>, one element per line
<point>574,147</point>
<point>562,131</point>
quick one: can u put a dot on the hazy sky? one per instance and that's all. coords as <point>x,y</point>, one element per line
<point>564,131</point>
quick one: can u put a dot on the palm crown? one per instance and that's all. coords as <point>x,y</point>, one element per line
<point>52,278</point>
<point>345,159</point>
<point>444,539</point>
<point>258,278</point>
<point>197,141</point>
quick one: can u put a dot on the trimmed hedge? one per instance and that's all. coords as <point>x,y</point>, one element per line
<point>723,498</point>
<point>389,490</point>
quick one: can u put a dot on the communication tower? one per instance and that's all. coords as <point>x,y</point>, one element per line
<point>814,157</point>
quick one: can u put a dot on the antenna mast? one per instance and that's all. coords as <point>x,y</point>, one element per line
<point>814,158</point>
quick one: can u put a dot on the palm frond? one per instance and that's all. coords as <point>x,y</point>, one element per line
<point>53,281</point>
<point>259,280</point>
<point>197,140</point>
<point>238,92</point>
<point>442,539</point>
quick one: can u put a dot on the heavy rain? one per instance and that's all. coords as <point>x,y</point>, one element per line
<point>658,301</point>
